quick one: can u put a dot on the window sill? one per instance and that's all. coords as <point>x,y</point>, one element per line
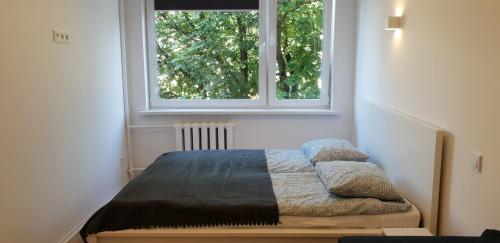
<point>159,112</point>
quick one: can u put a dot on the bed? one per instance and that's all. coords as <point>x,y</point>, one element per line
<point>302,218</point>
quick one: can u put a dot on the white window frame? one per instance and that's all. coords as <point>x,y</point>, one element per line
<point>326,67</point>
<point>267,65</point>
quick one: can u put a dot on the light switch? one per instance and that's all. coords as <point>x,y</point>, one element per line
<point>60,36</point>
<point>477,162</point>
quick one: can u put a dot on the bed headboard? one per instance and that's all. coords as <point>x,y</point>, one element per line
<point>409,151</point>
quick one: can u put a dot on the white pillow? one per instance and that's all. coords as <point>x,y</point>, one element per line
<point>331,149</point>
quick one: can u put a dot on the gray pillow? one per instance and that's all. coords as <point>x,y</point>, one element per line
<point>331,149</point>
<point>353,179</point>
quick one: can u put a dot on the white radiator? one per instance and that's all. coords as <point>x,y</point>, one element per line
<point>204,136</point>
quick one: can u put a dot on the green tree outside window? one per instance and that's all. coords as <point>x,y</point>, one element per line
<point>215,55</point>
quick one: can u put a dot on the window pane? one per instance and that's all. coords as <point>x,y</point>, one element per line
<point>207,54</point>
<point>299,51</point>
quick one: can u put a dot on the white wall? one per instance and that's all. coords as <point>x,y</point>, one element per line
<point>444,68</point>
<point>251,131</point>
<point>61,116</point>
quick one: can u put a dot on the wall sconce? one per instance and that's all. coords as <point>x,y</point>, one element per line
<point>394,23</point>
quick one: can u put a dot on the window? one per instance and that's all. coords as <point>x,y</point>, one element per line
<point>247,53</point>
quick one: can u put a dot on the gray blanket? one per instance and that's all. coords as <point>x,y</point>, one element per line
<point>193,189</point>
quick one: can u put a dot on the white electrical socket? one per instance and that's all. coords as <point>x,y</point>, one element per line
<point>476,164</point>
<point>60,36</point>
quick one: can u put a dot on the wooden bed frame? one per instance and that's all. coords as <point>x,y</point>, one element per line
<point>408,150</point>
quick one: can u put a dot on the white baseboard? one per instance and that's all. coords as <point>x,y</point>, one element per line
<point>73,235</point>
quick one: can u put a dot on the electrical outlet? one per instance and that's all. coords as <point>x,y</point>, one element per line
<point>61,37</point>
<point>476,164</point>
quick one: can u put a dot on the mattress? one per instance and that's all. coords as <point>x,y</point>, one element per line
<point>410,219</point>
